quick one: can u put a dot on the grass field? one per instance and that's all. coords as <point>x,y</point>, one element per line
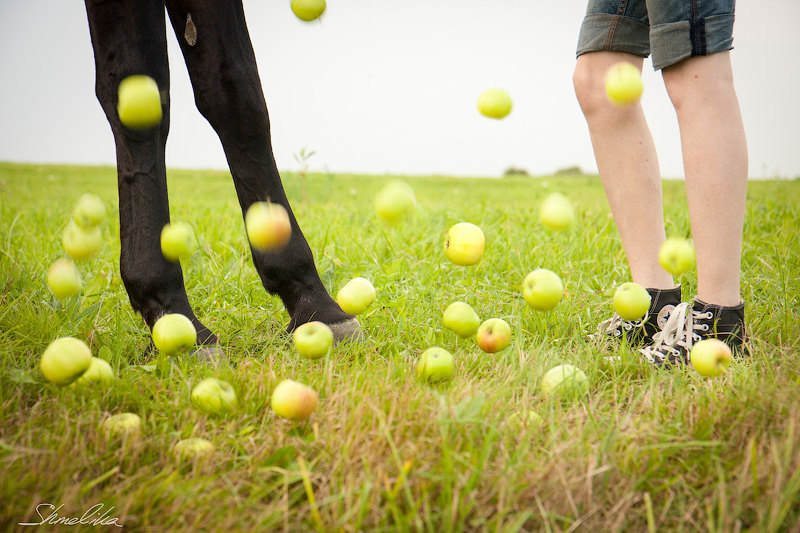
<point>645,450</point>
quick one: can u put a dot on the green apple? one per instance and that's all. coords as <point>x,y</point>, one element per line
<point>566,381</point>
<point>494,335</point>
<point>64,360</point>
<point>624,84</point>
<point>177,241</point>
<point>89,211</point>
<point>63,278</point>
<point>291,399</point>
<point>542,289</point>
<point>435,364</point>
<point>268,226</point>
<point>313,340</point>
<point>710,357</point>
<point>308,10</point>
<point>356,296</point>
<point>394,201</point>
<point>460,318</point>
<point>556,212</point>
<point>127,424</point>
<point>139,105</point>
<point>81,243</point>
<point>631,301</point>
<point>464,244</point>
<point>99,371</point>
<point>173,333</point>
<point>527,418</point>
<point>495,103</point>
<point>193,448</point>
<point>214,396</point>
<point>676,255</point>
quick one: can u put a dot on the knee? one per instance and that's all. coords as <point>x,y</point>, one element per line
<point>230,99</point>
<point>589,84</point>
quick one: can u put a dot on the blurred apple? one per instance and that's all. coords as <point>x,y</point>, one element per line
<point>464,244</point>
<point>64,360</point>
<point>394,201</point>
<point>356,296</point>
<point>268,226</point>
<point>542,289</point>
<point>556,212</point>
<point>565,381</point>
<point>460,318</point>
<point>79,242</point>
<point>313,340</point>
<point>128,424</point>
<point>193,448</point>
<point>99,371</point>
<point>435,364</point>
<point>177,241</point>
<point>676,256</point>
<point>710,357</point>
<point>308,10</point>
<point>139,105</point>
<point>291,399</point>
<point>89,211</point>
<point>214,396</point>
<point>624,84</point>
<point>526,418</point>
<point>63,278</point>
<point>494,335</point>
<point>495,103</point>
<point>631,301</point>
<point>173,333</point>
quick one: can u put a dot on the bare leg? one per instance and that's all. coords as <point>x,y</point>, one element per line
<point>715,162</point>
<point>628,165</point>
<point>129,37</point>
<point>227,89</point>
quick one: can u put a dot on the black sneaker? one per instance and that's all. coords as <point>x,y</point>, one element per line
<point>641,332</point>
<point>687,325</point>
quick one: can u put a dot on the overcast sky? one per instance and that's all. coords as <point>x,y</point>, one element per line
<point>380,86</point>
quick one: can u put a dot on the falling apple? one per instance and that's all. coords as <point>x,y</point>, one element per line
<point>291,399</point>
<point>565,381</point>
<point>495,103</point>
<point>81,243</point>
<point>494,335</point>
<point>465,244</point>
<point>624,84</point>
<point>139,104</point>
<point>308,10</point>
<point>64,360</point>
<point>676,255</point>
<point>395,201</point>
<point>177,241</point>
<point>542,289</point>
<point>99,371</point>
<point>173,333</point>
<point>89,211</point>
<point>63,278</point>
<point>435,364</point>
<point>461,319</point>
<point>356,296</point>
<point>556,212</point>
<point>268,226</point>
<point>313,340</point>
<point>631,301</point>
<point>710,357</point>
<point>214,396</point>
<point>123,424</point>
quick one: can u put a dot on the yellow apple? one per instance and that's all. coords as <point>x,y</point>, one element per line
<point>494,335</point>
<point>291,399</point>
<point>313,340</point>
<point>356,296</point>
<point>710,357</point>
<point>89,211</point>
<point>435,364</point>
<point>495,103</point>
<point>173,333</point>
<point>81,243</point>
<point>461,319</point>
<point>542,289</point>
<point>193,448</point>
<point>214,396</point>
<point>63,278</point>
<point>139,105</point>
<point>676,255</point>
<point>565,381</point>
<point>99,371</point>
<point>177,241</point>
<point>624,84</point>
<point>268,226</point>
<point>123,424</point>
<point>394,201</point>
<point>631,301</point>
<point>64,360</point>
<point>556,212</point>
<point>464,244</point>
<point>308,10</point>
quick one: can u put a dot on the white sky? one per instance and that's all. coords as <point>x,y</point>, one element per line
<point>382,86</point>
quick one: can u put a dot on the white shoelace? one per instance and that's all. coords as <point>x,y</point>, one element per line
<point>614,326</point>
<point>676,338</point>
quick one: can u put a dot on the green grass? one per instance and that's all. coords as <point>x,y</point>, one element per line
<point>645,450</point>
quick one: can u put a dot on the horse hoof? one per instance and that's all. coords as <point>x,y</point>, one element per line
<point>347,331</point>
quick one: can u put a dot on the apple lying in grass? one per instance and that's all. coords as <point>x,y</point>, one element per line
<point>313,340</point>
<point>173,333</point>
<point>89,211</point>
<point>710,357</point>
<point>542,289</point>
<point>395,201</point>
<point>631,301</point>
<point>461,319</point>
<point>527,418</point>
<point>624,84</point>
<point>494,335</point>
<point>63,278</point>
<point>139,104</point>
<point>123,424</point>
<point>495,103</point>
<point>99,371</point>
<point>214,396</point>
<point>308,10</point>
<point>291,399</point>
<point>464,244</point>
<point>192,448</point>
<point>81,243</point>
<point>268,226</point>
<point>177,241</point>
<point>356,296</point>
<point>565,381</point>
<point>435,364</point>
<point>676,255</point>
<point>556,212</point>
<point>64,360</point>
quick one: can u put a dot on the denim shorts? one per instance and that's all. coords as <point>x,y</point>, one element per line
<point>671,29</point>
